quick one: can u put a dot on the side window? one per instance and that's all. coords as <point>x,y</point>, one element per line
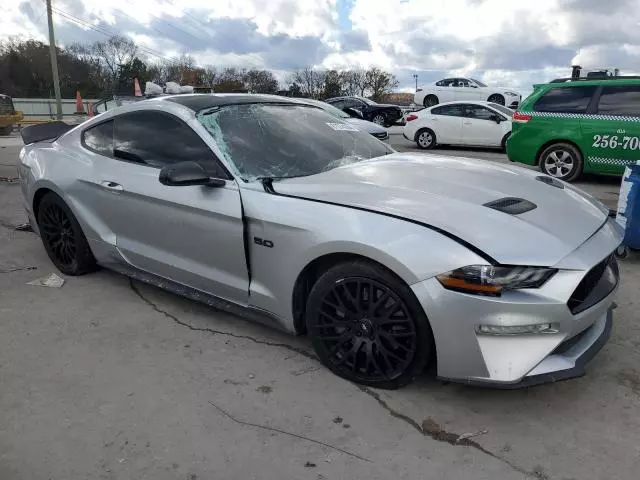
<point>565,100</point>
<point>99,139</point>
<point>157,139</point>
<point>479,113</point>
<point>448,110</point>
<point>338,104</point>
<point>440,84</point>
<point>621,100</point>
<point>463,82</point>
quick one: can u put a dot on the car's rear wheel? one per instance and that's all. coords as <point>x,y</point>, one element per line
<point>497,98</point>
<point>503,143</point>
<point>367,326</point>
<point>426,139</point>
<point>430,101</point>
<point>561,160</point>
<point>62,237</point>
<point>380,119</point>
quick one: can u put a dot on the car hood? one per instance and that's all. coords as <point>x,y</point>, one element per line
<point>448,193</point>
<point>365,126</point>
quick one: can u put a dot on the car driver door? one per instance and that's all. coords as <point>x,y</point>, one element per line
<point>445,90</point>
<point>189,234</point>
<point>480,126</point>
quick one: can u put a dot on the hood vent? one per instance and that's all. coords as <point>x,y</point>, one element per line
<point>550,181</point>
<point>511,205</point>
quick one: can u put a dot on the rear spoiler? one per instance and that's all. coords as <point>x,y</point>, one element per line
<point>44,131</point>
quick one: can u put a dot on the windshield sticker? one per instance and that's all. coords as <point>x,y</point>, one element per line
<point>342,127</point>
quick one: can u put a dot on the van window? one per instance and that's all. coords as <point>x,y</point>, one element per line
<point>565,100</point>
<point>620,100</point>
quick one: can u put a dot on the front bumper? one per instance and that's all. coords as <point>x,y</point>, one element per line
<point>515,361</point>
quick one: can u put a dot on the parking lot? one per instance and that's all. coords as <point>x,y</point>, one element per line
<point>112,379</point>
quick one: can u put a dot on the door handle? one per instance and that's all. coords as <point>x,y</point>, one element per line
<point>113,186</point>
<point>467,123</point>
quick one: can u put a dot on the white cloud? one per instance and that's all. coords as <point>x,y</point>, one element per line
<point>512,42</point>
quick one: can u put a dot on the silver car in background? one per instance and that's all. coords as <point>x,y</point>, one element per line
<point>279,211</point>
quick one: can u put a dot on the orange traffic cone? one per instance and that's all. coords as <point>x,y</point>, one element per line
<point>136,88</point>
<point>79,107</point>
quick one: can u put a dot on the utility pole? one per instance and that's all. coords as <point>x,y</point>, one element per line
<point>415,76</point>
<point>54,61</point>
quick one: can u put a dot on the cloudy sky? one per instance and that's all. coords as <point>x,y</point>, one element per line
<point>505,42</point>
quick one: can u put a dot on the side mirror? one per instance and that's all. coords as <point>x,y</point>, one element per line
<point>184,174</point>
<point>497,119</point>
<point>352,112</point>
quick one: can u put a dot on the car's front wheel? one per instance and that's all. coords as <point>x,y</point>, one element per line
<point>62,237</point>
<point>496,98</point>
<point>379,119</point>
<point>367,326</point>
<point>561,160</point>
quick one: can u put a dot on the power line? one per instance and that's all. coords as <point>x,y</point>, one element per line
<point>79,22</point>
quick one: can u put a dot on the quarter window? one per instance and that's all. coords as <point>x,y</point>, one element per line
<point>99,138</point>
<point>157,139</point>
<point>621,100</point>
<point>565,100</point>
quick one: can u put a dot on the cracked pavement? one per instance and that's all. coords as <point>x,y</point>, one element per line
<point>110,378</point>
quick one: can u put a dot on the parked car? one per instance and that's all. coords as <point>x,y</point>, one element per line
<point>275,209</point>
<point>382,114</point>
<point>374,129</point>
<point>450,89</point>
<point>571,126</point>
<point>8,115</point>
<point>478,124</point>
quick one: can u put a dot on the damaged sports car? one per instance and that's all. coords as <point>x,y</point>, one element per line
<point>277,211</point>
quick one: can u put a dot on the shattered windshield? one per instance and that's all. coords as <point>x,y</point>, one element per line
<point>286,140</point>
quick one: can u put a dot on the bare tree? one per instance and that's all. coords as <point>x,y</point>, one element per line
<point>380,83</point>
<point>116,53</point>
<point>310,81</point>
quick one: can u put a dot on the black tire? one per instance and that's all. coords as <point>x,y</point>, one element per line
<point>503,143</point>
<point>496,98</point>
<point>63,238</point>
<point>380,119</point>
<point>566,158</point>
<point>422,139</point>
<point>430,101</point>
<point>388,342</point>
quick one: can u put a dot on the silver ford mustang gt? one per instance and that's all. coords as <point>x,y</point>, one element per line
<point>278,210</point>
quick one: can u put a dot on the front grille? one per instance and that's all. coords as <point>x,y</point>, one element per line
<point>596,285</point>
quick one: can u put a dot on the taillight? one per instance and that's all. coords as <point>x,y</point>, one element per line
<point>411,117</point>
<point>521,117</point>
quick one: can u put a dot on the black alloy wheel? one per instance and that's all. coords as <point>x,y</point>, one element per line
<point>364,330</point>
<point>62,237</point>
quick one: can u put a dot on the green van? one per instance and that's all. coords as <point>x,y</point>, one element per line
<point>570,126</point>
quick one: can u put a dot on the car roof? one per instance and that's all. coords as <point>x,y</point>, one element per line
<point>200,101</point>
<point>595,82</point>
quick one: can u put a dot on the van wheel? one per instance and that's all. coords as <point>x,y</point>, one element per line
<point>562,161</point>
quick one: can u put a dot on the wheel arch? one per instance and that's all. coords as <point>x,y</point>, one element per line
<point>422,129</point>
<point>312,271</point>
<point>557,140</point>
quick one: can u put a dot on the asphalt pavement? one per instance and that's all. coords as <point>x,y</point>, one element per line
<point>106,378</point>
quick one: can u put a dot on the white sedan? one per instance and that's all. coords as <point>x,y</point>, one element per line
<point>452,89</point>
<point>479,124</point>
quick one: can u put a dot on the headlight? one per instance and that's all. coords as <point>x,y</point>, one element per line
<point>490,280</point>
<point>511,94</point>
